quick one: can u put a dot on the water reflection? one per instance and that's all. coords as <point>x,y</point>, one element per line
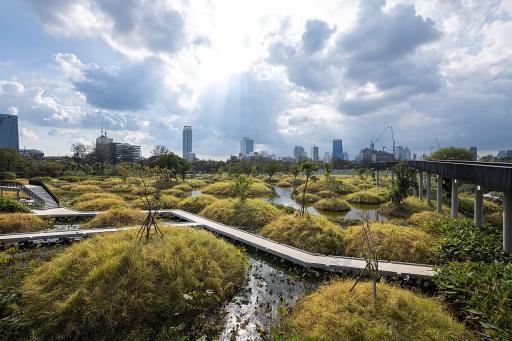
<point>357,211</point>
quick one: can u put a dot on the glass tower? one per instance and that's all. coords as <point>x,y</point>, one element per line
<point>9,132</point>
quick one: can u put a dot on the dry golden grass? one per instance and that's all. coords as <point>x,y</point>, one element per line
<point>393,243</point>
<point>116,217</point>
<point>196,203</point>
<point>310,233</point>
<point>166,202</point>
<point>82,188</point>
<point>21,222</point>
<point>114,287</point>
<point>365,197</point>
<point>175,192</point>
<point>97,202</point>
<point>334,313</point>
<point>183,187</point>
<point>332,204</point>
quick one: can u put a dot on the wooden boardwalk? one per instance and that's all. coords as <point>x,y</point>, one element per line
<point>289,253</point>
<point>304,258</point>
<point>63,212</point>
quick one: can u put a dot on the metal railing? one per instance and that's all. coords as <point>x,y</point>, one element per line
<point>21,187</point>
<point>36,182</point>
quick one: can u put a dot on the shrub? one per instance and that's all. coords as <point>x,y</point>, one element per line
<point>482,293</point>
<point>174,192</point>
<point>365,197</point>
<point>195,183</point>
<point>334,313</point>
<point>99,204</point>
<point>112,287</point>
<point>332,204</point>
<point>494,219</point>
<point>196,203</point>
<point>183,187</point>
<point>82,188</point>
<point>410,206</point>
<point>423,217</point>
<point>7,176</point>
<point>310,233</point>
<point>250,214</point>
<point>12,206</point>
<point>140,190</point>
<point>92,196</point>
<point>166,202</point>
<point>467,206</point>
<point>461,240</point>
<point>116,217</point>
<point>122,188</point>
<point>284,184</point>
<point>324,194</point>
<point>336,186</point>
<point>393,243</point>
<point>91,182</point>
<point>110,182</point>
<point>227,188</point>
<point>21,222</point>
<point>309,197</point>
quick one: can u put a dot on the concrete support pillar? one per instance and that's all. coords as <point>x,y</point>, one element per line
<point>420,188</point>
<point>392,178</point>
<point>377,178</point>
<point>414,192</point>
<point>428,187</point>
<point>479,206</point>
<point>18,194</point>
<point>455,198</point>
<point>507,221</point>
<point>439,194</point>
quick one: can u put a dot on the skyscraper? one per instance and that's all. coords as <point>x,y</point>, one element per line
<point>314,154</point>
<point>9,131</point>
<point>327,157</point>
<point>246,146</point>
<point>187,144</point>
<point>337,149</point>
<point>474,153</point>
<point>299,153</point>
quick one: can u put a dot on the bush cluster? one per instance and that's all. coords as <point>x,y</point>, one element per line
<point>332,204</point>
<point>12,206</point>
<point>116,217</point>
<point>112,287</point>
<point>98,202</point>
<point>196,203</point>
<point>21,222</point>
<point>365,197</point>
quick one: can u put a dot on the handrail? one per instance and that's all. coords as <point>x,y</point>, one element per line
<point>21,187</point>
<point>41,183</point>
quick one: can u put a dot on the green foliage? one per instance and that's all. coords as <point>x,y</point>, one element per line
<point>460,240</point>
<point>185,187</point>
<point>252,213</point>
<point>310,233</point>
<point>467,206</point>
<point>451,153</point>
<point>7,176</point>
<point>12,206</point>
<point>21,222</point>
<point>243,185</point>
<point>111,287</point>
<point>284,184</point>
<point>97,202</point>
<point>481,293</point>
<point>405,178</point>
<point>392,242</point>
<point>334,185</point>
<point>196,203</point>
<point>227,188</point>
<point>332,204</point>
<point>195,183</point>
<point>334,313</point>
<point>271,168</point>
<point>365,197</point>
<point>116,217</point>
<point>166,201</point>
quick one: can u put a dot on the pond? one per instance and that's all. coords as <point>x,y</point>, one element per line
<point>357,211</point>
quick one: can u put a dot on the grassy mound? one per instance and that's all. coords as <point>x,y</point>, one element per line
<point>423,217</point>
<point>411,205</point>
<point>284,184</point>
<point>197,203</point>
<point>21,222</point>
<point>252,213</point>
<point>122,188</point>
<point>332,313</point>
<point>116,217</point>
<point>166,202</point>
<point>393,243</point>
<point>310,233</point>
<point>309,197</point>
<point>196,183</point>
<point>175,192</point>
<point>336,186</point>
<point>467,206</point>
<point>110,182</point>
<point>82,188</point>
<point>141,191</point>
<point>183,187</point>
<point>112,287</point>
<point>98,202</point>
<point>12,206</point>
<point>332,204</point>
<point>365,197</point>
<point>227,188</point>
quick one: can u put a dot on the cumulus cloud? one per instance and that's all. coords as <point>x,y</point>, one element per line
<point>29,134</point>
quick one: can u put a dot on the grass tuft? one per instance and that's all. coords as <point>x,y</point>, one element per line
<point>332,204</point>
<point>196,203</point>
<point>21,222</point>
<point>116,217</point>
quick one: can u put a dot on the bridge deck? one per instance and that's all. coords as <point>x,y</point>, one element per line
<point>304,258</point>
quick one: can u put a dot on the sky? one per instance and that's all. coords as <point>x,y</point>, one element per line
<point>283,72</point>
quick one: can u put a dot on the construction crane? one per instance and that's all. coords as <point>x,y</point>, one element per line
<point>393,138</point>
<point>438,145</point>
<point>372,143</point>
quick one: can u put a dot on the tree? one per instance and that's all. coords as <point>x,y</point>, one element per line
<point>80,152</point>
<point>182,168</point>
<point>243,185</point>
<point>295,170</point>
<point>159,150</point>
<point>124,170</point>
<point>451,153</point>
<point>308,167</point>
<point>405,178</point>
<point>8,158</point>
<point>246,167</point>
<point>271,168</point>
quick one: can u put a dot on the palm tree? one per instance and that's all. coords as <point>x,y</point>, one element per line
<point>308,167</point>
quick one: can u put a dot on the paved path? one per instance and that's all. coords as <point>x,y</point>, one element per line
<point>62,212</point>
<point>304,258</point>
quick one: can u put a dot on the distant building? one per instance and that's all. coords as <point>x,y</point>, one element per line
<point>9,137</point>
<point>337,149</point>
<point>187,144</point>
<point>246,146</point>
<point>314,154</point>
<point>286,158</point>
<point>327,157</point>
<point>34,153</point>
<point>474,153</point>
<point>505,154</point>
<point>345,156</point>
<point>299,153</point>
<point>402,153</point>
<point>108,151</point>
<point>367,155</point>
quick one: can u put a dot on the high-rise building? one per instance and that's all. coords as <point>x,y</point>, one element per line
<point>124,152</point>
<point>109,151</point>
<point>314,154</point>
<point>345,156</point>
<point>402,153</point>
<point>337,149</point>
<point>246,146</point>
<point>299,153</point>
<point>9,132</point>
<point>187,144</point>
<point>327,157</point>
<point>474,153</point>
<point>505,154</point>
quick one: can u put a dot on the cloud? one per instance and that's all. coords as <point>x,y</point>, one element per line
<point>316,35</point>
<point>29,134</point>
<point>134,27</point>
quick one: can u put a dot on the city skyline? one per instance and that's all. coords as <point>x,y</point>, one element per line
<point>286,74</point>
